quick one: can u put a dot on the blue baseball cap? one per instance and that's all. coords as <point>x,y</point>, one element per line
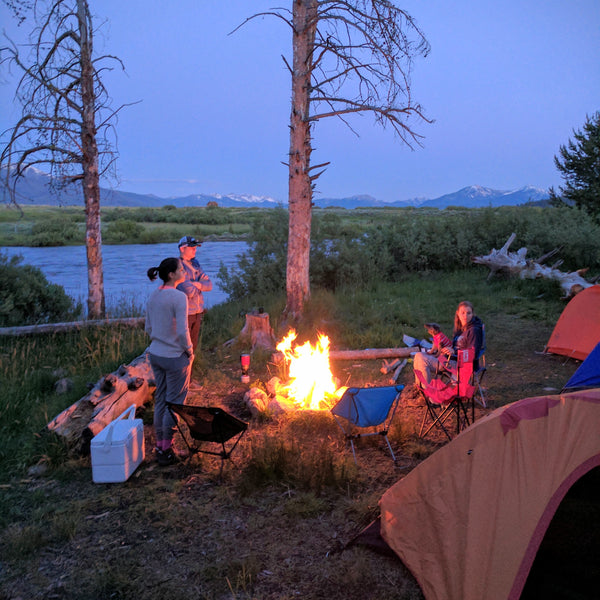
<point>188,240</point>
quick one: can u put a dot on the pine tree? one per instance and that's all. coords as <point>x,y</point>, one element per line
<point>579,165</point>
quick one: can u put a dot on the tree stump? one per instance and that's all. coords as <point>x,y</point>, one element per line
<point>258,331</point>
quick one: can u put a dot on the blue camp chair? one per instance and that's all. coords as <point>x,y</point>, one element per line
<point>361,408</point>
<point>480,372</point>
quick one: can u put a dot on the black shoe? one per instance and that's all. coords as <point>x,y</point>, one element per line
<point>166,457</point>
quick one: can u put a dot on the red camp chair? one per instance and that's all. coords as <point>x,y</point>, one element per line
<point>450,394</point>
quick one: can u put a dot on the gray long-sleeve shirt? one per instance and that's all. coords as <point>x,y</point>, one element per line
<point>167,324</point>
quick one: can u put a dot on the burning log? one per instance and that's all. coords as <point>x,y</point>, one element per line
<point>515,263</point>
<point>110,397</point>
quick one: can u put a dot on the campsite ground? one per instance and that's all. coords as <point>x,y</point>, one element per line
<point>275,527</point>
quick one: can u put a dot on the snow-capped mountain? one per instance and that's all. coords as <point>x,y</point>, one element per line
<point>477,196</point>
<point>33,188</point>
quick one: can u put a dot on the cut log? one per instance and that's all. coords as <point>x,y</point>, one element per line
<point>516,263</point>
<point>109,398</point>
<point>257,331</point>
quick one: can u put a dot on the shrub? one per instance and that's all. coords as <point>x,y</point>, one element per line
<point>55,232</point>
<point>409,242</point>
<point>123,231</point>
<point>27,298</point>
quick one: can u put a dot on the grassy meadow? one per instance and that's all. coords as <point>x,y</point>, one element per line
<point>57,226</point>
<point>277,524</point>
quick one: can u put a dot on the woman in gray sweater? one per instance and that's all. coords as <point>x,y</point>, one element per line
<point>170,351</point>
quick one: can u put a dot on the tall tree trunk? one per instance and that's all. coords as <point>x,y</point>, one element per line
<point>91,179</point>
<point>300,186</point>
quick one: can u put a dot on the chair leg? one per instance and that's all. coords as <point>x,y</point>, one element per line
<point>479,395</point>
<point>353,451</point>
<point>389,446</point>
<point>436,419</point>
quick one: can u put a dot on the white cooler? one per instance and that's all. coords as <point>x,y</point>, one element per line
<point>118,449</point>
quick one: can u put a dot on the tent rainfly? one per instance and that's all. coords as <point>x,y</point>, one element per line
<point>469,520</point>
<point>577,330</point>
<point>588,373</point>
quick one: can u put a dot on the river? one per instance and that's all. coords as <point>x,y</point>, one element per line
<point>125,281</point>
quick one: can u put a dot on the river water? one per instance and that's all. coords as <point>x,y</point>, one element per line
<point>125,281</point>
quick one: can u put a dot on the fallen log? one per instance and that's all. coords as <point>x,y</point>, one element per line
<point>372,353</point>
<point>109,398</point>
<point>69,326</point>
<point>367,354</point>
<point>516,263</point>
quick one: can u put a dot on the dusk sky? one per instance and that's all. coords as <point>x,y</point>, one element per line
<point>505,82</point>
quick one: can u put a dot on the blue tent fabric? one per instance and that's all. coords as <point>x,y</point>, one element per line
<point>588,373</point>
<point>367,407</point>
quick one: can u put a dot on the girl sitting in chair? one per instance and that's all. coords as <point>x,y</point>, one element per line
<point>468,333</point>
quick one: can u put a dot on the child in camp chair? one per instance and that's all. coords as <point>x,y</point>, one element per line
<point>468,333</point>
<point>439,338</point>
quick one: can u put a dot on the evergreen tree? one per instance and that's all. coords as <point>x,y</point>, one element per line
<point>579,165</point>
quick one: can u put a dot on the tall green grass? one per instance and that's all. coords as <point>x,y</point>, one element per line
<point>29,368</point>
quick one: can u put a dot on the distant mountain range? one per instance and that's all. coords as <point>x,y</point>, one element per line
<point>34,189</point>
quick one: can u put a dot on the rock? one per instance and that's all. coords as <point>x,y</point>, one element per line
<point>257,401</point>
<point>63,385</point>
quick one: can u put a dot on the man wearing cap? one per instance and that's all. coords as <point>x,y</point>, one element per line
<point>196,282</point>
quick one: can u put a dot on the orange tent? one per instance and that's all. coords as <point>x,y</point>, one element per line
<point>577,330</point>
<point>468,521</point>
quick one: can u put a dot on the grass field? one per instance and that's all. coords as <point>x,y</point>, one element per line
<point>157,225</point>
<point>277,524</point>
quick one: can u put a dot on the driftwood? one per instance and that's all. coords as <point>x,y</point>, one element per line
<point>109,398</point>
<point>62,327</point>
<point>515,263</point>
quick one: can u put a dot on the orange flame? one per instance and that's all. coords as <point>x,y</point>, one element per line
<point>311,384</point>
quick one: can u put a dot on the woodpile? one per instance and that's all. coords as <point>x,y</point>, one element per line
<point>516,263</point>
<point>109,398</point>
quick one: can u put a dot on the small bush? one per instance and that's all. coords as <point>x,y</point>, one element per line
<point>27,298</point>
<point>123,231</point>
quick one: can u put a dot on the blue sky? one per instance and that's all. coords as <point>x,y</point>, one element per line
<point>506,83</point>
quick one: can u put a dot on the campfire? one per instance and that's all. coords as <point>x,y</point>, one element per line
<point>310,385</point>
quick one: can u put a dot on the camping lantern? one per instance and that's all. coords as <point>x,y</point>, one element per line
<point>245,362</point>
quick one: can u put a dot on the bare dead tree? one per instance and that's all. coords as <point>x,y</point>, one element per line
<point>349,57</point>
<point>66,120</point>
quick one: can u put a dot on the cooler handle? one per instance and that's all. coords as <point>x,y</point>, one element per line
<point>127,414</point>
